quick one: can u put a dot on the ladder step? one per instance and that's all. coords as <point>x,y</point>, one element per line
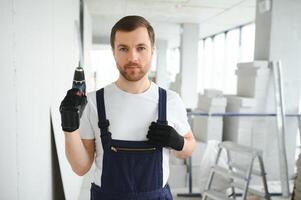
<point>244,168</point>
<point>240,148</point>
<point>216,195</point>
<point>228,173</point>
<point>250,190</point>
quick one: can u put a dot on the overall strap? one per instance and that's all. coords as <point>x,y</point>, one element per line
<point>103,123</point>
<point>162,107</point>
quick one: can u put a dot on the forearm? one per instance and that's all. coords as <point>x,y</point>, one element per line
<point>77,154</point>
<point>188,148</point>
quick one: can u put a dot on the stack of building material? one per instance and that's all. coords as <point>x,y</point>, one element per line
<point>252,88</point>
<point>176,85</point>
<point>178,168</point>
<point>239,129</point>
<point>178,172</point>
<point>252,81</point>
<point>207,127</point>
<point>196,159</point>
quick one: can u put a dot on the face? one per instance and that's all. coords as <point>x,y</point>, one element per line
<point>133,53</point>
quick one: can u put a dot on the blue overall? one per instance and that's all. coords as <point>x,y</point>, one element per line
<point>131,170</point>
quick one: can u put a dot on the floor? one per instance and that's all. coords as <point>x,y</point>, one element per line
<point>199,198</point>
<point>85,195</point>
<point>273,189</point>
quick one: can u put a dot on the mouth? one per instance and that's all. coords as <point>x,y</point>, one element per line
<point>132,67</point>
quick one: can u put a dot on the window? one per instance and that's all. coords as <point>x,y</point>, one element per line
<point>206,71</point>
<point>218,61</point>
<point>247,43</point>
<point>219,55</point>
<point>231,59</point>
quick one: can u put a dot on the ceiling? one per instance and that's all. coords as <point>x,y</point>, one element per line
<point>212,15</point>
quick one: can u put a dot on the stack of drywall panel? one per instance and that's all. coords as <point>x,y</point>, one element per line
<point>212,101</point>
<point>196,159</point>
<point>207,127</point>
<point>178,168</point>
<point>213,93</point>
<point>178,176</point>
<point>252,81</point>
<point>178,172</point>
<point>198,153</point>
<point>176,85</point>
<point>239,129</point>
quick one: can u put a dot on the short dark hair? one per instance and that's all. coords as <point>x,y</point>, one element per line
<point>130,23</point>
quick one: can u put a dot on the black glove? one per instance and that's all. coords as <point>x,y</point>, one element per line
<point>71,109</point>
<point>165,135</point>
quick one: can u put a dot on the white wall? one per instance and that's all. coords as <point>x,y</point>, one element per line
<point>38,53</point>
<point>8,124</point>
<point>278,38</point>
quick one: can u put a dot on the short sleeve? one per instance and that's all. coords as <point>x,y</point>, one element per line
<point>85,129</point>
<point>177,115</point>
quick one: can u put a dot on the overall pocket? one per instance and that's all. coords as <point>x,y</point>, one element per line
<point>132,167</point>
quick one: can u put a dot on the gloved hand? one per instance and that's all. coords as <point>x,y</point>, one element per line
<point>165,135</point>
<point>71,109</point>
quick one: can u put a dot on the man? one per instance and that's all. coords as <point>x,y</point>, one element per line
<point>128,127</point>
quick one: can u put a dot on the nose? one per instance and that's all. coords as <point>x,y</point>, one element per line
<point>133,56</point>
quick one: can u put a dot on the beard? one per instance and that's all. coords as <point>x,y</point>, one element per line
<point>132,71</point>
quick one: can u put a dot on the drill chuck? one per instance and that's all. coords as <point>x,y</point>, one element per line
<point>79,80</point>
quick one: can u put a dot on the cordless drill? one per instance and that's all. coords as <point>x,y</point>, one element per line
<point>74,103</point>
<point>79,80</point>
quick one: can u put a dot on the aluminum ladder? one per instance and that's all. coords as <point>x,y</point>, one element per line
<point>238,174</point>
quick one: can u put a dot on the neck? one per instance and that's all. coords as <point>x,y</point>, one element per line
<point>134,87</point>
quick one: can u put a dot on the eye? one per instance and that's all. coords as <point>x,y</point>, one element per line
<point>123,49</point>
<point>141,48</point>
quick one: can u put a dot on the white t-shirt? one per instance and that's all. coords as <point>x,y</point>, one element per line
<point>130,116</point>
